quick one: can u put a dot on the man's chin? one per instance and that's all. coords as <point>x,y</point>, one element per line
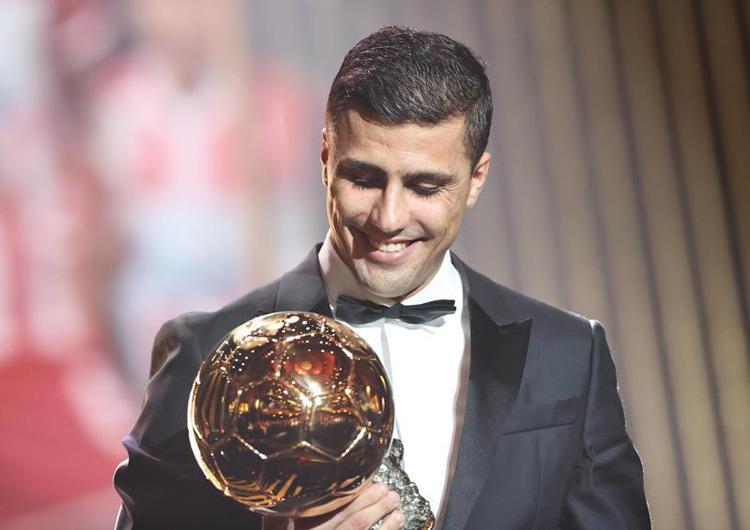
<point>390,294</point>
<point>384,287</point>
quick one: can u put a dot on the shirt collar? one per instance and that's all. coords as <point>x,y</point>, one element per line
<point>339,279</point>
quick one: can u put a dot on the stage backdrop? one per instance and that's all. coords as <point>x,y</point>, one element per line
<point>620,189</point>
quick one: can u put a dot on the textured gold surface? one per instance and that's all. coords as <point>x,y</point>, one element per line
<point>291,414</point>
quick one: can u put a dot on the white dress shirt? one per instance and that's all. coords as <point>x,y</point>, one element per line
<point>425,364</point>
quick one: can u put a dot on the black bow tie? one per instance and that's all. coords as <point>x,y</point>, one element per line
<point>355,311</point>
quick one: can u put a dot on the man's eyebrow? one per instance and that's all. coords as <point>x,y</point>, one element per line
<point>352,164</point>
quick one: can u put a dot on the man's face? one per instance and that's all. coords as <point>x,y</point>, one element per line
<point>396,197</point>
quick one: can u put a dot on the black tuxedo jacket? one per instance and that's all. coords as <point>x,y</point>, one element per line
<point>543,444</point>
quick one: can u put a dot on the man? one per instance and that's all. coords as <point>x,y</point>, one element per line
<point>508,408</point>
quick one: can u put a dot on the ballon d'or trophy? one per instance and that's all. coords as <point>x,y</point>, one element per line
<point>292,415</point>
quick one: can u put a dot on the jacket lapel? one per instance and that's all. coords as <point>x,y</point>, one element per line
<point>498,354</point>
<point>499,342</point>
<point>302,289</point>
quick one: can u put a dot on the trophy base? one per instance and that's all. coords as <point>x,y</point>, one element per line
<point>415,508</point>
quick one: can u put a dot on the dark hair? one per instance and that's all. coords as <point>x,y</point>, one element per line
<point>401,75</point>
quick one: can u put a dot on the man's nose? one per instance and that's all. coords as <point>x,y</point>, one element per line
<point>391,212</point>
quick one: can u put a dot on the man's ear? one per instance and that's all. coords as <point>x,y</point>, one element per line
<point>478,178</point>
<point>324,152</point>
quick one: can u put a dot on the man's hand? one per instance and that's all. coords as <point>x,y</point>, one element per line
<point>375,502</point>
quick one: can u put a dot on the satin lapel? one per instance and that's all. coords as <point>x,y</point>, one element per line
<point>498,355</point>
<point>302,289</point>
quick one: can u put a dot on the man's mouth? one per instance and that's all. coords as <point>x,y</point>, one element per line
<point>385,251</point>
<point>389,246</point>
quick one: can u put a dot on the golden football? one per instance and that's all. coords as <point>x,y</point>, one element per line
<point>291,414</point>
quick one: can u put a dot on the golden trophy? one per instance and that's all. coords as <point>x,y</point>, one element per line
<point>292,415</point>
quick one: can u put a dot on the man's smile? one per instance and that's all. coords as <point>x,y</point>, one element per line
<point>396,197</point>
<point>391,251</point>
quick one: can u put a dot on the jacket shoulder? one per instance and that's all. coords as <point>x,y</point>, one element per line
<point>547,313</point>
<point>209,327</point>
<point>520,306</point>
<point>180,347</point>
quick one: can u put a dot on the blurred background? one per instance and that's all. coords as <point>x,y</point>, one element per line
<point>159,156</point>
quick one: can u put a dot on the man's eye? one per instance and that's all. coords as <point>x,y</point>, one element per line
<point>365,182</point>
<point>425,190</point>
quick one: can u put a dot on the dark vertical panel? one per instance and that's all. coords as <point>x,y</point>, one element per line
<point>647,245</point>
<point>744,32</point>
<point>738,191</point>
<point>725,68</point>
<point>697,281</point>
<point>719,144</point>
<point>743,10</point>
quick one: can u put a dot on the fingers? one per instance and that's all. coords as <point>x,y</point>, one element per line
<point>366,517</point>
<point>394,521</point>
<point>372,494</point>
<point>374,503</point>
